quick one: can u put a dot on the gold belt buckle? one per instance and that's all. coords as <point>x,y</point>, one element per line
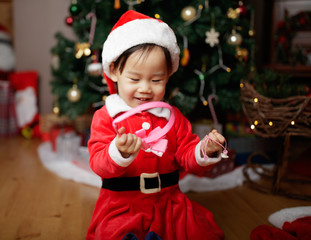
<point>142,182</point>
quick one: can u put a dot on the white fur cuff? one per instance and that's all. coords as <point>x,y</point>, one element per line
<point>117,157</point>
<point>201,161</point>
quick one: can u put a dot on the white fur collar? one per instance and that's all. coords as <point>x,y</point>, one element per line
<point>115,105</point>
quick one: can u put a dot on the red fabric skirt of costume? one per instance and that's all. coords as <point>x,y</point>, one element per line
<point>169,213</point>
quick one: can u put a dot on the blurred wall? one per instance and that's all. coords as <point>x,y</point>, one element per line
<point>35,23</point>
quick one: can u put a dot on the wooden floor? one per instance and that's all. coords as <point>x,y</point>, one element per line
<point>37,204</point>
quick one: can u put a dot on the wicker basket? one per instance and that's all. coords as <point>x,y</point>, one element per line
<point>271,117</point>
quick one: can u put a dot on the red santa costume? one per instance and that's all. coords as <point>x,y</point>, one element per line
<point>124,206</point>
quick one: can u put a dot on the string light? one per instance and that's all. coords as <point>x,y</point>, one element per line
<point>241,85</point>
<point>157,16</point>
<point>270,124</point>
<point>256,122</point>
<point>255,100</point>
<point>202,85</point>
<point>220,63</point>
<point>292,123</point>
<point>252,126</point>
<point>132,3</point>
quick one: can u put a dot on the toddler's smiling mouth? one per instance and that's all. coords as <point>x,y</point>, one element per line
<point>143,99</point>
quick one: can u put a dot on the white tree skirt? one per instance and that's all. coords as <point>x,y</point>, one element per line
<point>77,169</point>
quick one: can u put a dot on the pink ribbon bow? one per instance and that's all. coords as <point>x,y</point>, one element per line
<point>155,141</point>
<point>157,147</point>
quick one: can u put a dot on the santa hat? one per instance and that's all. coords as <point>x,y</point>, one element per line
<point>132,29</point>
<point>288,224</point>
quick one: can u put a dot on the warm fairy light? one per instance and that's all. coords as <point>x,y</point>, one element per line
<point>228,69</point>
<point>292,122</point>
<point>252,126</point>
<point>270,124</point>
<point>87,52</point>
<point>157,16</point>
<point>205,103</point>
<point>255,100</point>
<point>241,85</point>
<point>256,122</point>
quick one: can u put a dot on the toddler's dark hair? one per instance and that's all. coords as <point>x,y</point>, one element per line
<point>145,49</point>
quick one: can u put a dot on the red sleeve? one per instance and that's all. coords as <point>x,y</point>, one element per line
<point>102,134</point>
<point>186,144</point>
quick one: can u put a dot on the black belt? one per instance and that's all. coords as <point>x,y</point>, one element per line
<point>146,182</point>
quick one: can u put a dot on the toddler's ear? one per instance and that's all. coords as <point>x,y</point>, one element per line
<point>113,76</point>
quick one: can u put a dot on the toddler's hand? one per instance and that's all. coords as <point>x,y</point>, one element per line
<point>212,148</point>
<point>127,144</point>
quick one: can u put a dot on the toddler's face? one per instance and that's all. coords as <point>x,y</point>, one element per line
<point>143,79</point>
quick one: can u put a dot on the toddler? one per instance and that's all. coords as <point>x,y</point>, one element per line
<point>140,197</point>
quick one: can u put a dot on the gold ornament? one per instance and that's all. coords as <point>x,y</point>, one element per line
<point>188,13</point>
<point>74,94</point>
<point>82,49</point>
<point>241,54</point>
<point>235,38</point>
<point>233,13</point>
<point>56,110</point>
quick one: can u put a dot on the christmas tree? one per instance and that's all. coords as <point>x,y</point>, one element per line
<point>215,38</point>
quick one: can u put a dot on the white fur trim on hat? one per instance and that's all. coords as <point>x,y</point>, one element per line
<point>139,31</point>
<point>289,215</point>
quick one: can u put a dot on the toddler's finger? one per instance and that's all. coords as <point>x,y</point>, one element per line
<point>121,131</point>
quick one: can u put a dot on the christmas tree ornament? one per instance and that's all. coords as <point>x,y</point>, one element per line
<point>56,108</point>
<point>82,49</point>
<point>242,8</point>
<point>93,26</point>
<point>185,58</point>
<point>186,53</point>
<point>55,62</point>
<point>234,38</point>
<point>188,13</point>
<point>74,8</point>
<point>95,69</point>
<point>212,37</point>
<point>117,4</point>
<point>233,13</point>
<point>195,17</point>
<point>69,20</point>
<point>74,94</point>
<point>241,54</point>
